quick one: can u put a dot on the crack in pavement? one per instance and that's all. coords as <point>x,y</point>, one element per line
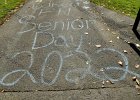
<point>78,89</point>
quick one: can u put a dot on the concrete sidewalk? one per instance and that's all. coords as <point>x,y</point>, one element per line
<point>68,50</point>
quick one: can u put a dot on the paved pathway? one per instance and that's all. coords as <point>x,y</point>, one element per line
<point>68,50</point>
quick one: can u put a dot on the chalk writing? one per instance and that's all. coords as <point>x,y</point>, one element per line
<point>76,24</point>
<point>59,69</point>
<point>25,72</point>
<point>42,29</point>
<point>46,44</point>
<point>82,71</point>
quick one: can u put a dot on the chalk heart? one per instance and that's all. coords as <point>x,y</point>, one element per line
<point>42,40</point>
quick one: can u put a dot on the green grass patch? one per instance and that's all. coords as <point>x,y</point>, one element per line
<point>128,7</point>
<point>6,7</point>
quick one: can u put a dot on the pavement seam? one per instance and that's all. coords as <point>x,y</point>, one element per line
<point>99,88</point>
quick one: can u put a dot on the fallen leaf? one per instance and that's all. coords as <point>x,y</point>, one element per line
<point>137,45</point>
<point>103,82</point>
<point>86,33</point>
<point>138,93</point>
<point>134,78</point>
<point>125,51</point>
<point>103,86</point>
<point>87,62</point>
<point>98,46</point>
<point>128,42</point>
<point>118,37</point>
<point>110,41</point>
<point>137,81</point>
<point>102,70</point>
<point>108,81</point>
<point>120,63</point>
<point>137,66</point>
<point>79,26</point>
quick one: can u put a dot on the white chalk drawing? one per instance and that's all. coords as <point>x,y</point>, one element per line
<point>28,25</point>
<point>81,71</point>
<point>62,10</point>
<point>74,75</point>
<point>75,24</point>
<point>26,72</point>
<point>87,71</point>
<point>46,44</point>
<point>59,69</point>
<point>26,19</point>
<point>84,3</point>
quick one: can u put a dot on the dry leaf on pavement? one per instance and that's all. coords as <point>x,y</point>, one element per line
<point>125,51</point>
<point>120,63</point>
<point>137,66</point>
<point>98,46</point>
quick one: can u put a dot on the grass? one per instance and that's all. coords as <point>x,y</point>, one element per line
<point>128,7</point>
<point>6,6</point>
